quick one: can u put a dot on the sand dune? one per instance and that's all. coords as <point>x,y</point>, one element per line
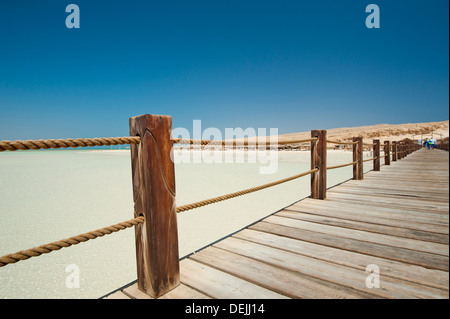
<point>384,132</point>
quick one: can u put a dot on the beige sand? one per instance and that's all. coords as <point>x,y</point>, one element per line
<point>383,132</point>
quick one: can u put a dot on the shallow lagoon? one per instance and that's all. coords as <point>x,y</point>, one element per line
<point>54,194</point>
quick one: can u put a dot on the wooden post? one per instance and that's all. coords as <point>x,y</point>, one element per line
<point>153,177</point>
<point>376,155</point>
<point>387,153</point>
<point>394,151</point>
<point>319,160</point>
<point>358,157</point>
<point>399,150</point>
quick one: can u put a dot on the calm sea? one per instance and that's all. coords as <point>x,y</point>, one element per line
<point>50,195</point>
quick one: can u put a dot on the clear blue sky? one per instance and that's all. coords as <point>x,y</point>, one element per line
<point>295,65</point>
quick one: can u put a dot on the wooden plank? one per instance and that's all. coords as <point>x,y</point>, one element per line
<point>423,191</point>
<point>295,285</point>
<point>416,205</point>
<point>180,292</point>
<point>133,292</point>
<point>218,284</point>
<point>117,295</point>
<point>184,292</point>
<point>387,240</point>
<point>427,260</point>
<point>430,277</point>
<point>320,269</point>
<point>369,227</point>
<point>419,189</point>
<point>373,218</point>
<point>391,191</point>
<point>390,212</point>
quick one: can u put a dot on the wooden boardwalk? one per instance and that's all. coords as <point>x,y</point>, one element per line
<point>396,220</point>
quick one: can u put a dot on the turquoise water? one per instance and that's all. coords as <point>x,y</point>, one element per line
<point>54,194</point>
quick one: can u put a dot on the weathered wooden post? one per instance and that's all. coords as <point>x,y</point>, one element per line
<point>376,155</point>
<point>358,158</point>
<point>319,160</point>
<point>153,176</point>
<point>394,151</point>
<point>399,150</point>
<point>387,153</point>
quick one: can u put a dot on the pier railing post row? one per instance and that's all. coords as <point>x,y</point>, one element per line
<point>358,158</point>
<point>319,161</point>
<point>153,176</point>
<point>387,153</point>
<point>376,155</point>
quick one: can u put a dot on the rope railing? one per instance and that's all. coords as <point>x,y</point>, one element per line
<point>342,165</point>
<point>242,192</point>
<point>344,143</point>
<point>235,142</point>
<point>65,143</point>
<point>57,245</point>
<point>370,159</point>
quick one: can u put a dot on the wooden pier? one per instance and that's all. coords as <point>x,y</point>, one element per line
<point>385,236</point>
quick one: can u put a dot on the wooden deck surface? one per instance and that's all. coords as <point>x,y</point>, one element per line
<point>396,219</point>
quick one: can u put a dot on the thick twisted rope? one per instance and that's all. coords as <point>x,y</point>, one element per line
<point>240,193</point>
<point>345,143</point>
<point>370,159</point>
<point>235,142</point>
<point>343,165</point>
<point>65,143</point>
<point>57,245</point>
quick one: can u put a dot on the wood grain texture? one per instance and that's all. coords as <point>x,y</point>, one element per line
<point>153,177</point>
<point>358,157</point>
<point>376,155</point>
<point>319,161</point>
<point>387,151</point>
